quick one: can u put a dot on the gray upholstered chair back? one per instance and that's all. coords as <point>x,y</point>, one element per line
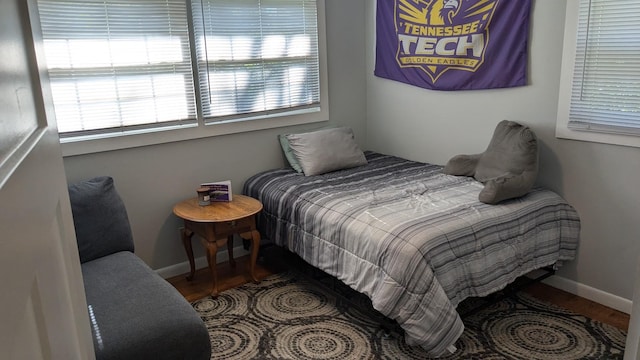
<point>100,219</point>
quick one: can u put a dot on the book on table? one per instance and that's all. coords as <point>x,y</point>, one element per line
<point>219,190</point>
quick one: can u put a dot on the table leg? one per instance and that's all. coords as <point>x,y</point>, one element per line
<point>212,251</point>
<point>255,246</point>
<point>232,261</point>
<point>186,241</point>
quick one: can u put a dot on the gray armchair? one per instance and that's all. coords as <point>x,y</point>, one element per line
<point>135,314</point>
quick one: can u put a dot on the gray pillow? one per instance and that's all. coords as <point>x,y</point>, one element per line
<point>322,151</point>
<point>513,150</point>
<point>100,219</point>
<point>508,168</point>
<point>288,153</point>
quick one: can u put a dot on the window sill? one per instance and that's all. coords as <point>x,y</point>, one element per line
<point>88,145</point>
<point>562,132</point>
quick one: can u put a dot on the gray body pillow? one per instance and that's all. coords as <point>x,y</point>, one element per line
<point>509,166</point>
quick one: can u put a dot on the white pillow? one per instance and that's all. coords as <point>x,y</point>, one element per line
<point>322,151</point>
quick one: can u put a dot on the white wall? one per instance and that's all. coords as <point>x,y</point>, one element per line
<point>152,179</point>
<point>598,180</point>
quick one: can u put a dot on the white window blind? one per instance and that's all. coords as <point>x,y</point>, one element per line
<point>117,65</point>
<point>256,57</point>
<point>605,94</point>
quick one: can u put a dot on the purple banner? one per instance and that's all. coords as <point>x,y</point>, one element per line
<point>453,44</point>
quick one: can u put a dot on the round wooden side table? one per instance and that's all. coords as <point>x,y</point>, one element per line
<point>216,224</point>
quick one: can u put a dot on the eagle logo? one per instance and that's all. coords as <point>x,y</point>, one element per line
<point>440,35</point>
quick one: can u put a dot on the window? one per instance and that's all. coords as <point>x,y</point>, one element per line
<point>600,84</point>
<point>122,67</point>
<point>256,57</point>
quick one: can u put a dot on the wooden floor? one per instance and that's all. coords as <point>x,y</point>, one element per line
<point>229,277</point>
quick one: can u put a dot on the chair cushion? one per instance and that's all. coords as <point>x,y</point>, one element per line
<point>100,218</point>
<point>136,314</point>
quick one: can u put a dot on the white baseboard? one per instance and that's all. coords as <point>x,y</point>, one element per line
<point>590,293</point>
<point>201,262</point>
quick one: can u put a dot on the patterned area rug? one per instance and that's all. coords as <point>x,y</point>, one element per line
<point>296,316</point>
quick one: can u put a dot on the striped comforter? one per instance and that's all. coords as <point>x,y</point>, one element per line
<point>416,241</point>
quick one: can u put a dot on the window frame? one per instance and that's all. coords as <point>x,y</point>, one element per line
<point>86,144</point>
<point>566,81</point>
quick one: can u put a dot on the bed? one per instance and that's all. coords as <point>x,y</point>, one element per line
<point>414,240</point>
